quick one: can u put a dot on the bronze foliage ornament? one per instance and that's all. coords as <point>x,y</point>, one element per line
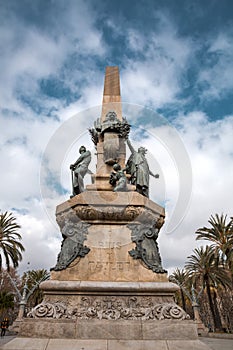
<point>145,236</point>
<point>74,235</point>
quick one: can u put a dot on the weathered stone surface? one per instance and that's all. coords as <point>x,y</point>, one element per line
<point>73,344</point>
<point>26,344</point>
<point>186,345</point>
<point>109,264</point>
<point>169,329</point>
<point>48,328</point>
<point>137,345</point>
<point>108,330</point>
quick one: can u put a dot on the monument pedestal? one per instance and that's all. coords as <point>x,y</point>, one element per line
<point>111,316</point>
<point>108,310</point>
<point>106,298</point>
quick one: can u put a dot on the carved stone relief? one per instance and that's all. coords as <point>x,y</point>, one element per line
<point>109,213</point>
<point>111,308</point>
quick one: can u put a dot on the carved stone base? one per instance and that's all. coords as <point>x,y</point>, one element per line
<point>108,310</point>
<point>108,301</point>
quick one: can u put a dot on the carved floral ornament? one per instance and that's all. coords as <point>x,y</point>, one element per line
<point>111,308</point>
<point>111,123</point>
<point>109,213</point>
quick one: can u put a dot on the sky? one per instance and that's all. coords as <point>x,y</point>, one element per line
<point>175,61</point>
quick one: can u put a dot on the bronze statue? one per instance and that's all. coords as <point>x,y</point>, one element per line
<point>118,179</point>
<point>111,138</point>
<point>137,166</point>
<point>79,170</point>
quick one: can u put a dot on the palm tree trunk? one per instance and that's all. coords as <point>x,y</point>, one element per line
<point>183,300</point>
<point>216,311</point>
<point>211,304</point>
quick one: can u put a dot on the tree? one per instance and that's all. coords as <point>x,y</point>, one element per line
<point>220,233</point>
<point>32,280</point>
<point>208,274</point>
<point>6,301</point>
<point>10,245</point>
<point>180,277</point>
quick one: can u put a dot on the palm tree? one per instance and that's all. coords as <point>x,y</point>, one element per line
<point>220,233</point>
<point>10,245</point>
<point>207,273</point>
<point>180,277</point>
<point>32,280</point>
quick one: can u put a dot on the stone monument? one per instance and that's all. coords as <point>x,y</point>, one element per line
<point>108,286</point>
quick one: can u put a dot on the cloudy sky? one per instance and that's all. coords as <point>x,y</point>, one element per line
<point>175,60</point>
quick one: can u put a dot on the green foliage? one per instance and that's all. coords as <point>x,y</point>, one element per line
<point>205,269</point>
<point>209,275</point>
<point>181,278</point>
<point>220,234</point>
<point>208,272</point>
<point>32,279</point>
<point>10,245</point>
<point>6,301</point>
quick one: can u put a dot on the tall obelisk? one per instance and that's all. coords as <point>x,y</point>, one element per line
<point>110,144</point>
<point>112,93</point>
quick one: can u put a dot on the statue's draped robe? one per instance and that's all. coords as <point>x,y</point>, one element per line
<point>139,169</point>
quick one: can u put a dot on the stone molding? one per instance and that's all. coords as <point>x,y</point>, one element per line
<point>78,287</point>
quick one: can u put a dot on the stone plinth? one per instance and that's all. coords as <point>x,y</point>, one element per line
<point>108,236</point>
<point>109,310</point>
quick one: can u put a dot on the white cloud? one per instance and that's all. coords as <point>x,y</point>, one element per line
<point>30,53</point>
<point>154,73</point>
<point>218,75</point>
<point>210,149</point>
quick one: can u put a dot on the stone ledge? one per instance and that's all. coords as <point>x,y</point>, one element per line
<point>108,198</point>
<point>96,286</point>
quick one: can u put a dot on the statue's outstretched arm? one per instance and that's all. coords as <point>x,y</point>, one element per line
<point>154,175</point>
<point>130,146</point>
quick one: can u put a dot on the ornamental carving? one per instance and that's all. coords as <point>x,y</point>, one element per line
<point>145,236</point>
<point>110,124</point>
<point>74,235</point>
<point>109,132</point>
<point>69,215</point>
<point>111,308</point>
<point>108,213</point>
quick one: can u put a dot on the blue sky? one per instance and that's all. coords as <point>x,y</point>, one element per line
<point>175,57</point>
